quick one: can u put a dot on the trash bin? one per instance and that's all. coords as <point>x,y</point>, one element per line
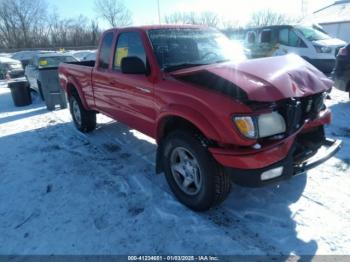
<point>20,93</point>
<point>50,86</point>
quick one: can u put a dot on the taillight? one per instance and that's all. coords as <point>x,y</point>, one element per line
<point>343,51</point>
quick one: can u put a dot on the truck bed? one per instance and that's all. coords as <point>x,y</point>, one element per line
<point>83,63</point>
<point>80,75</point>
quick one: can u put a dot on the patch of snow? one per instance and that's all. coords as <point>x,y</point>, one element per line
<point>63,192</point>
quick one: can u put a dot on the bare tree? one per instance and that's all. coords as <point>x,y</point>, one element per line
<point>181,18</point>
<point>209,19</point>
<point>95,32</point>
<point>26,24</point>
<point>114,12</point>
<point>268,17</point>
<point>73,32</point>
<point>21,21</point>
<point>205,18</point>
<point>230,25</point>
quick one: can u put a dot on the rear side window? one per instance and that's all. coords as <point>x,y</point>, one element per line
<point>129,44</point>
<point>105,51</point>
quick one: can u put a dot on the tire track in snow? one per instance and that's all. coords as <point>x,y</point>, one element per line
<point>235,230</point>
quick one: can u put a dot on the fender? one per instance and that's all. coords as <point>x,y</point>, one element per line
<point>71,81</point>
<point>189,114</point>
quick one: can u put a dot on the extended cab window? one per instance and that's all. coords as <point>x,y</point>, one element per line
<point>105,51</point>
<point>129,44</point>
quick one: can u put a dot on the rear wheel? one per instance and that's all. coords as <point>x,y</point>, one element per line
<point>84,120</point>
<point>193,175</point>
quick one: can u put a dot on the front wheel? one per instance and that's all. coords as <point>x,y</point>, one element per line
<point>192,174</point>
<point>84,120</point>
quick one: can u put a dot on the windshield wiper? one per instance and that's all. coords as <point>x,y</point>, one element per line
<point>171,68</point>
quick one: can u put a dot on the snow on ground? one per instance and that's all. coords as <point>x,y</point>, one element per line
<point>62,192</point>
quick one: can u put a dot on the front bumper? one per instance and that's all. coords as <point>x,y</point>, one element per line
<point>291,166</point>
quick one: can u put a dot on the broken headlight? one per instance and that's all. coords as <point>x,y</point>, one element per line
<point>264,125</point>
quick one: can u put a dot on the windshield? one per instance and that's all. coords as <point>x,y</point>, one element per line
<point>181,48</point>
<point>54,61</point>
<point>312,34</point>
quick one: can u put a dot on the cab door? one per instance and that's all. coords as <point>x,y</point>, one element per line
<point>134,93</point>
<point>124,97</point>
<point>101,79</point>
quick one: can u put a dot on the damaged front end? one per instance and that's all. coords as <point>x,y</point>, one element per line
<point>308,151</point>
<point>285,125</point>
<point>308,146</point>
<point>305,118</point>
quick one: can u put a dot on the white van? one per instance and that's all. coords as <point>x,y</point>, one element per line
<point>309,42</point>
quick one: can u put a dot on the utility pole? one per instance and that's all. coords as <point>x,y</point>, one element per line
<point>304,8</point>
<point>159,16</point>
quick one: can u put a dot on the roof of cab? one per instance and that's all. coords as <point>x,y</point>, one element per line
<point>155,27</point>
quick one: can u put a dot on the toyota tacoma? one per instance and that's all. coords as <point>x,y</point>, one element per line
<point>216,117</point>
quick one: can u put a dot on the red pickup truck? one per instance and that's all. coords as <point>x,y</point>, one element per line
<point>216,117</point>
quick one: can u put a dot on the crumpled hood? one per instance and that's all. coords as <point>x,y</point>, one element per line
<point>265,80</point>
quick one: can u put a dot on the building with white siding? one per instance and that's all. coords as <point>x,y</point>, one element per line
<point>334,19</point>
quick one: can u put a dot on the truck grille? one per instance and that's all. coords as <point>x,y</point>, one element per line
<point>297,110</point>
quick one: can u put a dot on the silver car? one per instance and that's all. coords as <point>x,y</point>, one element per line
<point>43,63</point>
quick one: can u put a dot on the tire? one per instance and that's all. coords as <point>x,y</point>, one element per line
<point>84,120</point>
<point>210,184</point>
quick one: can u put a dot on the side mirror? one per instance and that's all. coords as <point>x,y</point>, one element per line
<point>133,65</point>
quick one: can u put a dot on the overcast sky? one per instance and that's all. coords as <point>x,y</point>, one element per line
<point>145,11</point>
